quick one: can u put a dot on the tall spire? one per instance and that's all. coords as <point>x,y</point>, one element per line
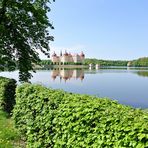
<point>66,54</point>
<point>82,54</point>
<point>61,53</point>
<point>54,54</point>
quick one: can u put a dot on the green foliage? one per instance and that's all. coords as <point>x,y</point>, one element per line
<point>66,63</point>
<point>7,94</point>
<point>141,62</point>
<point>45,62</point>
<point>24,29</point>
<point>8,134</point>
<point>105,62</point>
<point>54,118</point>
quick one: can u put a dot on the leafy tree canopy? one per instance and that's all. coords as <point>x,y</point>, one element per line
<point>141,62</point>
<point>106,62</point>
<point>23,29</point>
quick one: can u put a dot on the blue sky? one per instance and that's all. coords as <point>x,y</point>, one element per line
<point>103,29</point>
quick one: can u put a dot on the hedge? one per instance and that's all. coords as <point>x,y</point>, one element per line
<point>7,94</point>
<point>54,118</point>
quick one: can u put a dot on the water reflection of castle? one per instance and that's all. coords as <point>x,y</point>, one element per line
<point>67,74</point>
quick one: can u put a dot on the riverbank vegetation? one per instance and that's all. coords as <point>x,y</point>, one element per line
<point>45,62</point>
<point>54,118</point>
<point>90,61</point>
<point>141,62</point>
<point>105,62</point>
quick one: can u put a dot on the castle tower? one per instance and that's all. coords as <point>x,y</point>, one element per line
<point>61,54</point>
<point>82,55</point>
<point>55,58</point>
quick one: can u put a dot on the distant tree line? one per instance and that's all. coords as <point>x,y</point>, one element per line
<point>45,62</point>
<point>49,62</point>
<point>141,62</point>
<point>105,62</point>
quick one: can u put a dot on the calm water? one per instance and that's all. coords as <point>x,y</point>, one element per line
<point>128,86</point>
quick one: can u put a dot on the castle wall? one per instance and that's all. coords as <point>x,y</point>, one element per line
<point>64,59</point>
<point>67,58</point>
<point>82,58</point>
<point>55,59</point>
<point>71,59</point>
<point>77,59</point>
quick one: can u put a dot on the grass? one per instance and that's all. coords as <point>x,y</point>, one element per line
<point>8,134</point>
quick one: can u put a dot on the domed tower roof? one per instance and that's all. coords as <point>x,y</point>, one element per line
<point>82,54</point>
<point>54,54</point>
<point>65,54</point>
<point>70,54</point>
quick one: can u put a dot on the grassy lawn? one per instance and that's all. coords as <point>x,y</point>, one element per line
<point>8,134</point>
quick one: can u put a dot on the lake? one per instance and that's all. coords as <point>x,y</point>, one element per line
<point>128,86</point>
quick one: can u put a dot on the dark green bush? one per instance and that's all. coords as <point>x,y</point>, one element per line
<point>54,118</point>
<point>7,94</point>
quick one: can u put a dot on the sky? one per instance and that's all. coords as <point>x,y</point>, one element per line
<point>102,29</point>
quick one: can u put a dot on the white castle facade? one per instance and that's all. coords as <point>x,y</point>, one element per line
<point>67,58</point>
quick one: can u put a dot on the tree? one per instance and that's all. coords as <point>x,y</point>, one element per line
<point>24,29</point>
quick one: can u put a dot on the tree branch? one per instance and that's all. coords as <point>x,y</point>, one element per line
<point>3,10</point>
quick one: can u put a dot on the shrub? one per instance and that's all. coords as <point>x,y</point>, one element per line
<point>7,94</point>
<point>54,118</point>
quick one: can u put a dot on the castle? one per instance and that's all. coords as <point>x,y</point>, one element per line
<point>67,58</point>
